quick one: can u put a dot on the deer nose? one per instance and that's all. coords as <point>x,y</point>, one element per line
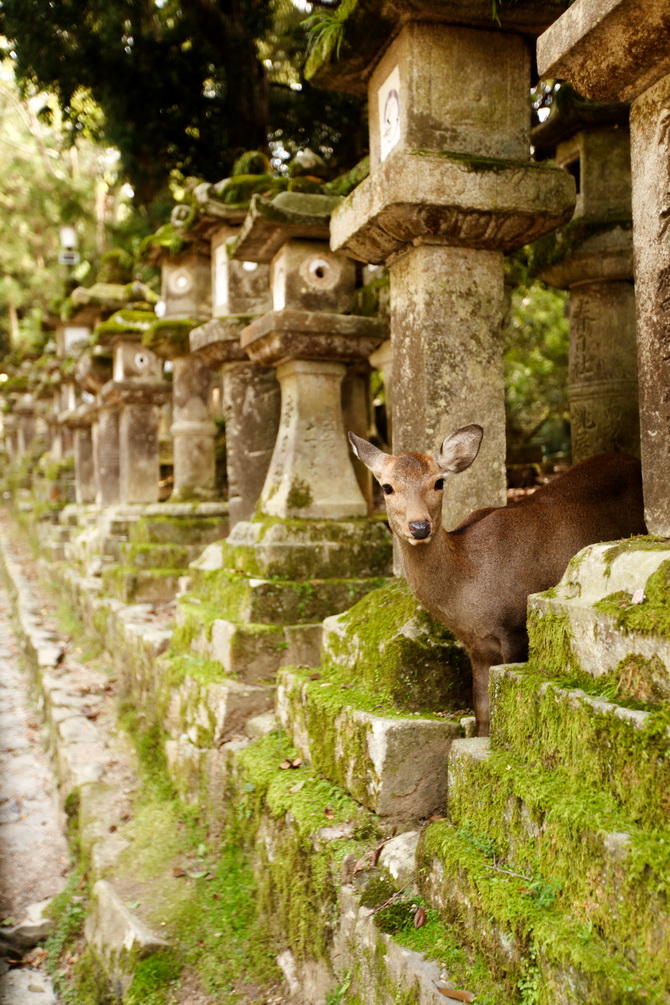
<point>420,529</point>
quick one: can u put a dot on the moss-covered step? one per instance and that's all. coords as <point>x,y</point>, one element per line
<point>609,617</point>
<point>141,585</point>
<point>552,956</point>
<point>158,556</point>
<point>276,601</point>
<point>394,764</point>
<point>203,704</point>
<point>624,751</point>
<point>389,643</point>
<point>605,870</point>
<point>305,549</point>
<point>306,834</point>
<point>180,524</point>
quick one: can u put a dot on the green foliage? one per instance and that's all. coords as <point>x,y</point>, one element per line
<point>536,340</point>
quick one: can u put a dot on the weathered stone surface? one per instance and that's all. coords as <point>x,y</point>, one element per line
<point>210,713</point>
<point>116,934</point>
<point>609,746</point>
<point>310,474</point>
<point>398,857</point>
<point>192,429</point>
<point>303,645</point>
<point>218,340</point>
<point>380,965</point>
<point>249,652</point>
<point>307,276</point>
<point>432,198</point>
<point>186,285</point>
<point>611,50</point>
<point>238,287</point>
<point>251,407</point>
<point>106,455</point>
<point>306,549</point>
<point>447,365</point>
<point>302,335</point>
<point>391,645</point>
<point>396,767</point>
<point>567,631</point>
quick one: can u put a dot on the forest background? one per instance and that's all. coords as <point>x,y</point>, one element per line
<point>106,111</point>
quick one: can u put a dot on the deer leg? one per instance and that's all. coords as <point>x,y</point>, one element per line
<point>480,693</point>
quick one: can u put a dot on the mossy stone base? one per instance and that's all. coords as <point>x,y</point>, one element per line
<point>309,549</point>
<point>387,642</point>
<point>575,846</point>
<point>394,765</point>
<point>591,624</point>
<point>623,751</point>
<point>185,529</point>
<point>249,652</point>
<point>525,937</point>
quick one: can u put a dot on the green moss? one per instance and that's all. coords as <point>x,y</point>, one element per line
<point>390,645</point>
<point>251,162</point>
<point>169,338</point>
<point>238,190</point>
<point>153,979</point>
<point>373,299</point>
<point>346,183</point>
<point>89,984</point>
<point>652,615</point>
<point>300,495</point>
<point>177,530</point>
<point>550,641</point>
<point>515,928</point>
<point>633,544</point>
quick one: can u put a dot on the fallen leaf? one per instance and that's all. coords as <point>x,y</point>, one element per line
<point>112,828</point>
<point>284,765</point>
<point>420,917</point>
<point>132,906</point>
<point>177,872</point>
<point>296,788</point>
<point>296,762</point>
<point>37,988</point>
<point>196,875</point>
<point>315,676</point>
<point>329,813</point>
<point>460,996</point>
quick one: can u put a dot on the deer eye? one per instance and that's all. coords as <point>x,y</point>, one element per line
<point>388,490</point>
<point>439,484</point>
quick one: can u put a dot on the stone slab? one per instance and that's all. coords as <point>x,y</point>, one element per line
<point>249,652</point>
<point>297,334</point>
<point>396,767</point>
<point>420,197</point>
<point>611,50</point>
<point>208,714</point>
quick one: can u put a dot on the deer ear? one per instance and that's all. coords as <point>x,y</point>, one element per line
<point>460,449</point>
<point>372,457</point>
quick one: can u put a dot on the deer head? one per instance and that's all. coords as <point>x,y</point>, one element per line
<point>413,483</point>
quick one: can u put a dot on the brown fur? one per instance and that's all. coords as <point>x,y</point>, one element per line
<point>476,579</point>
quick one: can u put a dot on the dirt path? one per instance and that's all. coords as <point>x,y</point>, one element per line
<point>33,851</point>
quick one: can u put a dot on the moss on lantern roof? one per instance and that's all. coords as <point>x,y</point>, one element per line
<point>238,190</point>
<point>113,296</point>
<point>167,237</point>
<point>346,183</point>
<point>170,337</point>
<point>123,321</point>
<point>251,162</point>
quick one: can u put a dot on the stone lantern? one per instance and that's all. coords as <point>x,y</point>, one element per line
<point>451,190</point>
<point>593,258</point>
<point>309,338</point>
<point>130,402</point>
<point>622,53</point>
<point>250,393</point>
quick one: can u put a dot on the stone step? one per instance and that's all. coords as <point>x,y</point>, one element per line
<point>158,556</point>
<point>523,932</point>
<point>389,643</point>
<point>204,705</point>
<point>247,651</point>
<point>393,764</point>
<point>609,618</point>
<point>184,527</point>
<point>623,751</point>
<point>570,841</point>
<point>140,585</point>
<point>237,597</point>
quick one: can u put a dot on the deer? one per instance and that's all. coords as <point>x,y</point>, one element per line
<point>476,578</point>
